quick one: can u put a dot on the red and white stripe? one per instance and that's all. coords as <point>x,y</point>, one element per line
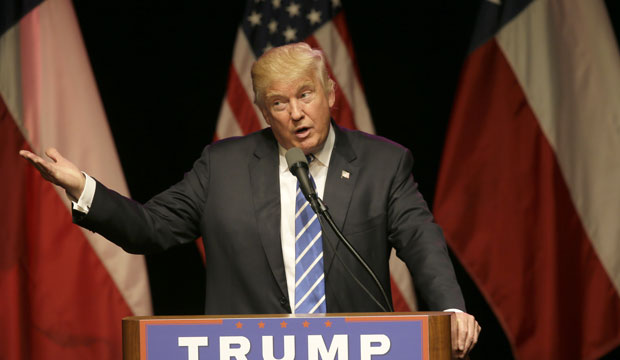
<point>239,115</point>
<point>528,191</point>
<point>67,288</point>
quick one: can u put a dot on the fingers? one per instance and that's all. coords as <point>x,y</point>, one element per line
<point>47,169</point>
<point>35,160</point>
<point>29,155</point>
<point>59,171</point>
<point>461,331</point>
<point>465,332</point>
<point>469,337</point>
<point>453,334</point>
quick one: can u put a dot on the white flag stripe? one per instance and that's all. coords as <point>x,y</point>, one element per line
<point>243,58</point>
<point>227,124</point>
<point>10,79</point>
<point>584,134</point>
<point>316,283</point>
<point>322,300</point>
<point>318,235</point>
<point>402,277</point>
<point>69,111</point>
<point>303,276</point>
<point>303,230</point>
<point>344,72</point>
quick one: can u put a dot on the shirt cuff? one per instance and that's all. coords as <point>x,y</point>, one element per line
<point>453,310</point>
<point>86,199</point>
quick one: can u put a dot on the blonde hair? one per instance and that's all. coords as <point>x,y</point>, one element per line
<point>288,62</point>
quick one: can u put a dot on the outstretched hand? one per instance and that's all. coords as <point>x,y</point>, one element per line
<point>59,171</point>
<point>465,331</point>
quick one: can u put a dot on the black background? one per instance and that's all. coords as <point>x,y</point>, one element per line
<point>161,68</point>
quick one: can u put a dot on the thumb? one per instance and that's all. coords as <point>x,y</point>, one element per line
<point>53,154</point>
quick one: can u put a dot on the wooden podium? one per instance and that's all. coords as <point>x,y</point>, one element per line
<point>417,335</point>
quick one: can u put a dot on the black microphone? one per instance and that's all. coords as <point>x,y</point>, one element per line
<point>298,165</point>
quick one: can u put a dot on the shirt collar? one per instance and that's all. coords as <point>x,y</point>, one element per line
<point>321,157</point>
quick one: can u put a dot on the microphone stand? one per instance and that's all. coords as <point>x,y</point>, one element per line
<point>319,207</point>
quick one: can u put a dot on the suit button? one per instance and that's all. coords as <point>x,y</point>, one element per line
<point>283,301</point>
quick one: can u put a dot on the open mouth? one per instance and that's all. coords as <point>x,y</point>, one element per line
<point>302,132</point>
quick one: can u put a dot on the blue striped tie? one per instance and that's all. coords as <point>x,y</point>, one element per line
<point>309,275</point>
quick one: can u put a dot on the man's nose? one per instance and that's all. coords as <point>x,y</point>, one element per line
<point>296,110</point>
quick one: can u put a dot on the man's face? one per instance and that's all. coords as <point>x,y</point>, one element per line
<point>298,112</point>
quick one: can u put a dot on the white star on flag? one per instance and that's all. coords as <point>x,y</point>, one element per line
<point>293,9</point>
<point>254,18</point>
<point>273,26</point>
<point>290,34</point>
<point>314,17</point>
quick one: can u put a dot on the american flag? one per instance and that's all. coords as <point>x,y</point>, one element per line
<point>321,24</point>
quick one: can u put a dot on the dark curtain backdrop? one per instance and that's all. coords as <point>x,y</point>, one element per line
<point>161,67</point>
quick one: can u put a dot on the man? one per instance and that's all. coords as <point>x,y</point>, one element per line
<point>241,198</point>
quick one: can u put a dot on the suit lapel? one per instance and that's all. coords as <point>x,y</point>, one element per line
<point>341,177</point>
<point>265,182</point>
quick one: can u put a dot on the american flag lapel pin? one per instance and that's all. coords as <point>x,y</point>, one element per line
<point>345,174</point>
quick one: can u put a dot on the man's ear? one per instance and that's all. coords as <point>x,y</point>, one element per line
<point>331,94</point>
<point>331,97</point>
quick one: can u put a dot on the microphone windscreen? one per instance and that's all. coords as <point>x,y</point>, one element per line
<point>295,156</point>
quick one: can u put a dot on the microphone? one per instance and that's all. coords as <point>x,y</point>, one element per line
<point>298,165</point>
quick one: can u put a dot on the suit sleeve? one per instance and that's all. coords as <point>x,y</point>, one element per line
<point>168,219</point>
<point>420,242</point>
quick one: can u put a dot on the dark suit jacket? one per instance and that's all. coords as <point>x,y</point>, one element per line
<point>231,198</point>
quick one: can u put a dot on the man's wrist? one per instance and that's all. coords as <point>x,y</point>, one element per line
<point>85,200</point>
<point>74,194</point>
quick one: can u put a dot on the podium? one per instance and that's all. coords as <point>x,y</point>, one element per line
<point>417,335</point>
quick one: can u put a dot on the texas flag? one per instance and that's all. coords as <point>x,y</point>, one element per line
<point>63,290</point>
<point>529,186</point>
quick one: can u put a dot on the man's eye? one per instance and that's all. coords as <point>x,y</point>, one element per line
<point>278,105</point>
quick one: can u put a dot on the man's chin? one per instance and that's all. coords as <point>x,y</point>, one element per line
<point>308,145</point>
<point>309,148</point>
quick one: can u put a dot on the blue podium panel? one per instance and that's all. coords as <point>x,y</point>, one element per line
<point>394,337</point>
